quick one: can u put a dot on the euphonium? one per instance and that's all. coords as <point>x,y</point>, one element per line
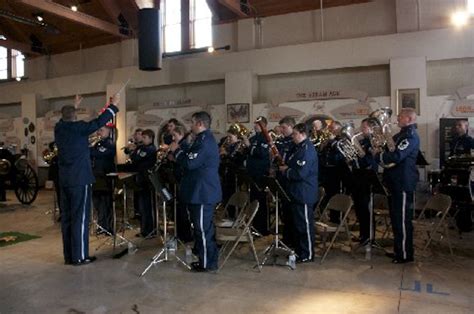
<point>240,129</point>
<point>349,144</point>
<point>381,133</point>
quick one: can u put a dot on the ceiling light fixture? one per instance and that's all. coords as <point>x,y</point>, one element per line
<point>38,17</point>
<point>74,8</point>
<point>210,49</point>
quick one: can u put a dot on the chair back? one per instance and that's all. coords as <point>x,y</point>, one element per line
<point>340,203</point>
<point>439,202</point>
<point>238,199</point>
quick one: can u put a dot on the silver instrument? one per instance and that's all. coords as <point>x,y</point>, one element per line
<point>381,137</point>
<point>349,144</point>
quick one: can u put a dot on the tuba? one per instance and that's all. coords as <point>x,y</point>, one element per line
<point>349,145</point>
<point>381,133</point>
<point>242,132</point>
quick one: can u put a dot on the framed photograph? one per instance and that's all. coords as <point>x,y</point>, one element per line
<point>238,113</point>
<point>408,98</point>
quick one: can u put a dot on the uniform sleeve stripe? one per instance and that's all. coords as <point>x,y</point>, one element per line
<point>178,153</point>
<point>111,111</point>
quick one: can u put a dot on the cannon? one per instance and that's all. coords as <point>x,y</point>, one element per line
<point>17,174</point>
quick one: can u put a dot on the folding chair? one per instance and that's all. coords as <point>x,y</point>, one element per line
<point>238,200</point>
<point>343,204</point>
<point>239,233</point>
<point>317,208</point>
<point>440,204</point>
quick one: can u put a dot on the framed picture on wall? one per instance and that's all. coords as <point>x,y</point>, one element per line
<point>238,113</point>
<point>408,98</point>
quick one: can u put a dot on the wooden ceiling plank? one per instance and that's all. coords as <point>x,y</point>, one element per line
<point>234,6</point>
<point>77,17</point>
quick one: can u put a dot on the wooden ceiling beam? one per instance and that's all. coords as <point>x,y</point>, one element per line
<point>77,17</point>
<point>234,6</point>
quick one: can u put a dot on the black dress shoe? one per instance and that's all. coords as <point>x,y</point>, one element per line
<point>85,261</point>
<point>68,262</point>
<point>402,260</point>
<point>197,268</point>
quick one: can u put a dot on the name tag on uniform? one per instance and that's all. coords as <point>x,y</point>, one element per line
<point>142,154</point>
<point>192,155</point>
<point>102,149</point>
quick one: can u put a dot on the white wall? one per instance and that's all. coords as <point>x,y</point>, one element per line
<point>446,76</point>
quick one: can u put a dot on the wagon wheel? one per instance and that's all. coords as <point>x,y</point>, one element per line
<point>26,185</point>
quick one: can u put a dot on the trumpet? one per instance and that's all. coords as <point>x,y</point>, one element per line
<point>94,139</point>
<point>48,155</point>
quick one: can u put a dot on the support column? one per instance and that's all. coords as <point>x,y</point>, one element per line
<point>120,120</point>
<point>29,139</point>
<point>241,87</point>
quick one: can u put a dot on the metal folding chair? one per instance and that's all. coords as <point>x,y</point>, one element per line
<point>238,200</point>
<point>239,233</point>
<point>317,208</point>
<point>342,204</point>
<point>439,204</point>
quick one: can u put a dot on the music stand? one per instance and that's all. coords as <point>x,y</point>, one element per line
<point>170,245</point>
<point>277,245</point>
<point>123,178</point>
<point>376,187</point>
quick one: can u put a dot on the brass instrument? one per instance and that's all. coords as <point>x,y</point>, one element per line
<point>321,137</point>
<point>242,132</point>
<point>275,137</point>
<point>48,155</point>
<point>380,129</point>
<point>162,153</point>
<point>94,139</point>
<point>349,145</point>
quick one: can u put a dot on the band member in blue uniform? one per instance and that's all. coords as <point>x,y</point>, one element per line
<point>103,162</point>
<point>400,178</point>
<point>75,179</point>
<point>200,188</point>
<point>131,149</point>
<point>183,224</point>
<point>143,160</point>
<point>302,176</point>
<point>285,145</point>
<point>232,159</point>
<point>258,166</point>
<point>361,190</point>
<point>462,143</point>
<point>334,169</point>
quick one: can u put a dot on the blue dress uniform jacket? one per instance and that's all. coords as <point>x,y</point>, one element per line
<point>461,145</point>
<point>284,146</point>
<point>72,139</point>
<point>200,183</point>
<point>404,175</point>
<point>258,159</point>
<point>143,159</point>
<point>302,173</point>
<point>103,155</point>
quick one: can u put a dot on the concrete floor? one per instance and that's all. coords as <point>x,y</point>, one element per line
<point>33,279</point>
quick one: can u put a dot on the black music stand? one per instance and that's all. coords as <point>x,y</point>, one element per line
<point>376,187</point>
<point>277,248</point>
<point>242,177</point>
<point>170,244</point>
<point>123,178</point>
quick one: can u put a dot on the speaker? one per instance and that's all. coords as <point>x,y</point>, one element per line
<point>149,50</point>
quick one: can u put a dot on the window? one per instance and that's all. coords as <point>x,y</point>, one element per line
<point>3,63</point>
<point>176,33</point>
<point>201,24</point>
<point>171,25</point>
<point>12,64</point>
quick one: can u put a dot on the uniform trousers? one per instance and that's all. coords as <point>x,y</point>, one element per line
<point>261,221</point>
<point>401,215</point>
<point>303,218</point>
<point>361,195</point>
<point>204,234</point>
<point>75,205</point>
